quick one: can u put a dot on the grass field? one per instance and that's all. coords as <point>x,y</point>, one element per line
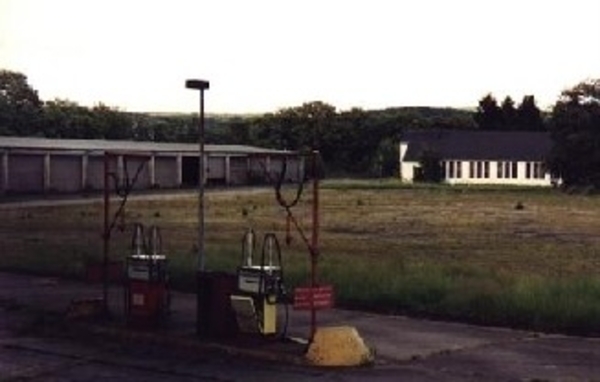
<point>516,257</point>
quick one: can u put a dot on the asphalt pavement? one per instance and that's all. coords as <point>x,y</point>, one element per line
<point>419,349</point>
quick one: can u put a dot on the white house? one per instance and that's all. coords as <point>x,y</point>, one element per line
<point>479,157</point>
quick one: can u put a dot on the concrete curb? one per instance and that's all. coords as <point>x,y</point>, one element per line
<point>57,323</point>
<point>185,344</point>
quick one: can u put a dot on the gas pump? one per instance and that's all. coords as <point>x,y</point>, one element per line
<point>260,285</point>
<point>147,296</point>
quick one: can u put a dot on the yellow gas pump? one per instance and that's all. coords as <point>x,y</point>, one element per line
<point>260,286</point>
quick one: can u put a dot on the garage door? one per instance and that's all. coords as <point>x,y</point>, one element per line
<point>65,173</point>
<point>26,172</point>
<point>216,168</point>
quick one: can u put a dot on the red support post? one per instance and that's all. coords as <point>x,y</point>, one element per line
<point>314,252</point>
<point>106,234</point>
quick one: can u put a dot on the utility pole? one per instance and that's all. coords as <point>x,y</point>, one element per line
<point>200,85</point>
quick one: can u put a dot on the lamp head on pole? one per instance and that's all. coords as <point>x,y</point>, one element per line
<point>197,84</point>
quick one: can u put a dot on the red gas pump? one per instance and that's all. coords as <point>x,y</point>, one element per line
<point>147,297</point>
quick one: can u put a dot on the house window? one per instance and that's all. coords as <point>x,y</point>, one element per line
<point>515,170</point>
<point>478,169</point>
<point>471,170</point>
<point>500,170</point>
<point>534,170</point>
<point>537,170</point>
<point>454,169</point>
<point>507,170</point>
<point>482,169</point>
<point>503,170</point>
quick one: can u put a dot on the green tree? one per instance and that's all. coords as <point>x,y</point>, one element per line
<point>351,142</point>
<point>529,116</point>
<point>239,131</point>
<point>140,128</point>
<point>112,123</point>
<point>526,117</point>
<point>509,114</point>
<point>20,106</point>
<point>386,158</point>
<point>299,128</point>
<point>575,129</point>
<point>430,168</point>
<point>489,115</point>
<point>67,119</point>
<point>288,129</point>
<point>315,132</point>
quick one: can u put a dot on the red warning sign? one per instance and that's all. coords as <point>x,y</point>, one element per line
<point>319,297</point>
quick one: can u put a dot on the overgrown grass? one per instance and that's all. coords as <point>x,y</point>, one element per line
<point>468,254</point>
<point>567,305</point>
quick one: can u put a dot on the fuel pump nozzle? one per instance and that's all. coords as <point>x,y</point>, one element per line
<point>155,241</point>
<point>248,245</point>
<point>271,278</point>
<point>138,240</point>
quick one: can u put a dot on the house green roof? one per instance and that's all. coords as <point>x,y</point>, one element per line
<point>469,145</point>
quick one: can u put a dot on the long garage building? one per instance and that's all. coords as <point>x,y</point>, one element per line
<point>40,165</point>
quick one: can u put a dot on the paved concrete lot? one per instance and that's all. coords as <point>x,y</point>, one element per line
<point>407,349</point>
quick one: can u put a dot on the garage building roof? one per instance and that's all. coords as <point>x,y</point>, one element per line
<point>28,143</point>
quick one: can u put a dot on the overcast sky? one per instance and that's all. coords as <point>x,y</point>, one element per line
<point>262,55</point>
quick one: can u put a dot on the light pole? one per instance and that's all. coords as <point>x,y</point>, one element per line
<point>202,86</point>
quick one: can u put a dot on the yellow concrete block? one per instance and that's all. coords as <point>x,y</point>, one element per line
<point>338,346</point>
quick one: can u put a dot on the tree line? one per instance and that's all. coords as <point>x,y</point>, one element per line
<point>353,142</point>
<point>575,129</point>
<point>506,116</point>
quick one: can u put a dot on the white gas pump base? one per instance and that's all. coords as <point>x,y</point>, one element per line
<point>339,346</point>
<point>249,320</point>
